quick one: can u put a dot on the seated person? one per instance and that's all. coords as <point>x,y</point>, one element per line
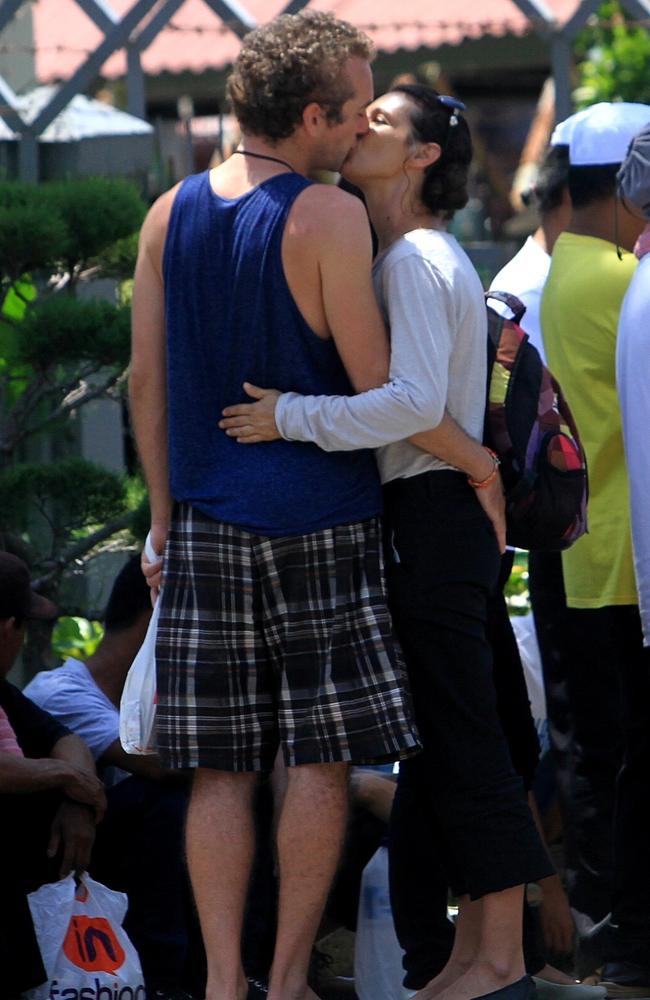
<point>139,848</point>
<point>50,796</point>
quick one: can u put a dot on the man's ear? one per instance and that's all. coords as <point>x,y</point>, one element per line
<point>312,118</point>
<point>426,154</point>
<point>7,625</point>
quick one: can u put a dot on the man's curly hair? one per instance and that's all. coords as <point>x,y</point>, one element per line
<point>284,65</point>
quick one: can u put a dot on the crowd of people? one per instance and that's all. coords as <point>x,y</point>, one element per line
<point>332,540</point>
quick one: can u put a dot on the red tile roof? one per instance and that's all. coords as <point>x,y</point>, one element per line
<point>195,39</point>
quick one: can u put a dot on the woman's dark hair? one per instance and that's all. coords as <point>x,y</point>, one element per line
<point>445,182</point>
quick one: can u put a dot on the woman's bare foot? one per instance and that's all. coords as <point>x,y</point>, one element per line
<point>451,973</point>
<point>476,982</point>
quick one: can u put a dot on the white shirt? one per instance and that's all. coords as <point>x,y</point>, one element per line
<point>525,276</point>
<point>432,300</point>
<point>70,694</point>
<point>633,383</point>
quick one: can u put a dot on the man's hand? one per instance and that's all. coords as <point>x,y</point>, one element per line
<point>152,567</point>
<point>72,834</point>
<point>556,918</point>
<point>251,423</point>
<point>84,788</point>
<point>492,500</point>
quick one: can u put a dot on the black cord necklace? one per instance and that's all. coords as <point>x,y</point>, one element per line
<point>262,156</point>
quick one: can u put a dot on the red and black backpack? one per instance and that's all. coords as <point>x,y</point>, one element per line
<point>529,425</point>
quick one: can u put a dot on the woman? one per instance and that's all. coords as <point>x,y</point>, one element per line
<point>460,799</point>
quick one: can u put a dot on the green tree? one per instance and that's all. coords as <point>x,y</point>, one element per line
<point>61,347</point>
<point>614,59</point>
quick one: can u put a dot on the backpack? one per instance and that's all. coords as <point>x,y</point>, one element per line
<point>530,427</point>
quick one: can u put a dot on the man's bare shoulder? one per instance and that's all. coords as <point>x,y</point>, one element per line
<point>154,228</point>
<point>326,212</point>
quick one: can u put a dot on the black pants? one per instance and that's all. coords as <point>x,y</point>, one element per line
<point>597,675</point>
<point>24,835</point>
<point>460,799</point>
<point>139,850</point>
<point>573,691</point>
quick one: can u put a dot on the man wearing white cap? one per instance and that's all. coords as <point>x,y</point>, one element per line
<point>591,268</point>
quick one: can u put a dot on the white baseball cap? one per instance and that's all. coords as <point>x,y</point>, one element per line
<point>601,134</point>
<point>562,132</point>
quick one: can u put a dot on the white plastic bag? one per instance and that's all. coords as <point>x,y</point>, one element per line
<point>378,971</point>
<point>139,695</point>
<point>531,660</point>
<point>86,952</point>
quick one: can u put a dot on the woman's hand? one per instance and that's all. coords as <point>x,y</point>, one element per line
<point>492,500</point>
<point>251,423</point>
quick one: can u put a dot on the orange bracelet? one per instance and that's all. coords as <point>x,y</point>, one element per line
<point>493,475</point>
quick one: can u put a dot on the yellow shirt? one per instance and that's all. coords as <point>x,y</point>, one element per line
<point>580,307</point>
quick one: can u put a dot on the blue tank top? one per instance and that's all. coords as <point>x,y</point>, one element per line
<point>231,318</point>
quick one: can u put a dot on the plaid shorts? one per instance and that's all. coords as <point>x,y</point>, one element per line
<point>277,642</point>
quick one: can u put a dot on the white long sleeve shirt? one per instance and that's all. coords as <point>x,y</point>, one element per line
<point>633,383</point>
<point>432,301</point>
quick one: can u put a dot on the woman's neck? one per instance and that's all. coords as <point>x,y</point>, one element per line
<point>394,211</point>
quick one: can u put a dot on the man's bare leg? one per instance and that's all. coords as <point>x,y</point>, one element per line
<point>310,837</point>
<point>220,844</point>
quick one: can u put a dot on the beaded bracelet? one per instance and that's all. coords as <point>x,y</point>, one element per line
<point>490,479</point>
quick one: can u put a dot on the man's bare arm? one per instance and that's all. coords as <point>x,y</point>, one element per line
<point>146,766</point>
<point>147,379</point>
<point>345,261</point>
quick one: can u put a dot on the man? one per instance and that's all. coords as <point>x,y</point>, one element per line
<point>609,680</point>
<point>632,366</point>
<point>273,630</point>
<point>525,275</point>
<point>139,848</point>
<point>50,795</point>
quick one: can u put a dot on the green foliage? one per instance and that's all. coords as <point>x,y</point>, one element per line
<point>63,330</point>
<point>59,350</point>
<point>76,637</point>
<point>32,236</point>
<point>516,590</point>
<point>97,211</point>
<point>87,493</point>
<point>119,259</point>
<point>615,59</point>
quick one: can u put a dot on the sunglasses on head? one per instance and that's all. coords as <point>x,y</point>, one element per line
<point>453,104</point>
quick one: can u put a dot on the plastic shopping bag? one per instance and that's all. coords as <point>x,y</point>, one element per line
<point>378,968</point>
<point>139,695</point>
<point>138,701</point>
<point>86,952</point>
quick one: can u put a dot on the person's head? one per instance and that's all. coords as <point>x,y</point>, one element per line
<point>551,188</point>
<point>305,72</point>
<point>598,142</point>
<point>129,603</point>
<point>633,178</point>
<point>18,604</point>
<point>421,135</point>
